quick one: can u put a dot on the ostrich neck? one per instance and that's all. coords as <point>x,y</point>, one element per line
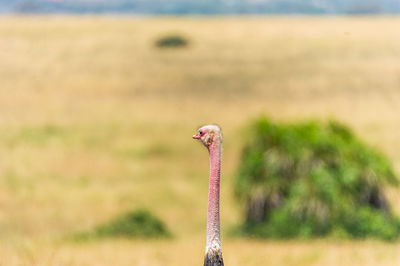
<point>213,222</point>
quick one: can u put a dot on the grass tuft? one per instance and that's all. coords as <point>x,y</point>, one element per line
<point>172,41</point>
<point>134,224</point>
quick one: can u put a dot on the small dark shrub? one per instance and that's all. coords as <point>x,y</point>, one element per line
<point>313,179</point>
<point>172,41</point>
<point>135,224</point>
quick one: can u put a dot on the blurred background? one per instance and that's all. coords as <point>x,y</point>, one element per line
<point>99,100</point>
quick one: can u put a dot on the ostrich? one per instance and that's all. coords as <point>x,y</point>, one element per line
<point>211,138</point>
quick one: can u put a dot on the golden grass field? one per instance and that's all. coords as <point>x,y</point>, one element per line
<point>95,121</point>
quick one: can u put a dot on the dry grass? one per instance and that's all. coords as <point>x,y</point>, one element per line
<point>95,120</point>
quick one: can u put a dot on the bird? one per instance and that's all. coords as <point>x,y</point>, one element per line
<point>210,136</point>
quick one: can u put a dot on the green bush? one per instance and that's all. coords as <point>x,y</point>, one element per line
<point>313,179</point>
<point>134,224</point>
<point>172,41</point>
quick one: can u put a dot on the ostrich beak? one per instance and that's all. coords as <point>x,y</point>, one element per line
<point>196,136</point>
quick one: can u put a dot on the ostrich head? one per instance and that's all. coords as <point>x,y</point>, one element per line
<point>209,135</point>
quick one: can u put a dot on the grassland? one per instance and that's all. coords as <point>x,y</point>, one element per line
<point>95,120</point>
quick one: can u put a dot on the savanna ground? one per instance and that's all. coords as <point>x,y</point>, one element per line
<point>96,121</point>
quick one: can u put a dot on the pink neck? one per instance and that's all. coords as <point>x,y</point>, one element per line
<point>213,223</point>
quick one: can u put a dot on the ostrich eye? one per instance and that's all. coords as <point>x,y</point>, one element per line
<point>201,132</point>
